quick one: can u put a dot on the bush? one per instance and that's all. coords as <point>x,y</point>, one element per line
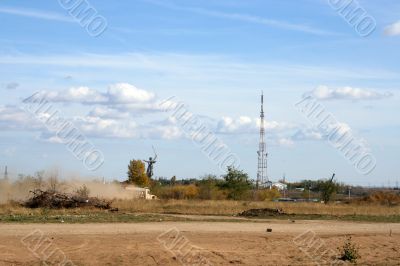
<point>209,188</point>
<point>349,251</point>
<point>267,194</point>
<point>83,192</point>
<point>328,189</point>
<point>236,183</point>
<point>178,192</point>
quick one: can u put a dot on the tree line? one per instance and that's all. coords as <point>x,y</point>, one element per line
<point>235,184</point>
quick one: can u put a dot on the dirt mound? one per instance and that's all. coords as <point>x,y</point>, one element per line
<point>382,197</point>
<point>55,200</point>
<point>267,212</point>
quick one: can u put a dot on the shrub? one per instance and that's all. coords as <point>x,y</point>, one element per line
<point>236,183</point>
<point>178,192</point>
<point>349,251</point>
<point>83,192</point>
<point>267,194</point>
<point>328,189</point>
<point>209,188</point>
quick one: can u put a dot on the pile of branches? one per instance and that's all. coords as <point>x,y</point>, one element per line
<point>267,212</point>
<point>56,200</point>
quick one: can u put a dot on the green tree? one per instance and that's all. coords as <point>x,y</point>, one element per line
<point>208,188</point>
<point>136,173</point>
<point>328,188</point>
<point>237,183</point>
<point>173,181</point>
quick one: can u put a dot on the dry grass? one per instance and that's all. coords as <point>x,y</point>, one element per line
<point>234,207</point>
<point>221,207</point>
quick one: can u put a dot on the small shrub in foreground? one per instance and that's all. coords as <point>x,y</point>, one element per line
<point>349,251</point>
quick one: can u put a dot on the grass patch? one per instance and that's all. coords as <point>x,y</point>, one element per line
<point>349,218</point>
<point>153,211</point>
<point>107,217</point>
<point>88,218</point>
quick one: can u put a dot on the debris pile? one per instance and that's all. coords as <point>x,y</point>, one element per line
<point>56,200</point>
<point>267,212</point>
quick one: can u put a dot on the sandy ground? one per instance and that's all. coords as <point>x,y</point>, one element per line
<point>197,243</point>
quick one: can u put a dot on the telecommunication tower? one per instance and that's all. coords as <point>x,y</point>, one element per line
<point>262,177</point>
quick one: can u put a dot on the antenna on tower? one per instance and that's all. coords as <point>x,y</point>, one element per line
<point>262,177</point>
<point>5,174</point>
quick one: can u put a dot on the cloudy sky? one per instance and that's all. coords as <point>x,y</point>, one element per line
<point>214,56</point>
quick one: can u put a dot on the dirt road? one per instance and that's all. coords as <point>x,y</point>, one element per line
<point>197,243</point>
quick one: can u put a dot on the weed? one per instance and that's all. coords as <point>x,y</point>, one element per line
<point>349,251</point>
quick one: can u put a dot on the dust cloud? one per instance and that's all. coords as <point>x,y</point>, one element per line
<point>19,189</point>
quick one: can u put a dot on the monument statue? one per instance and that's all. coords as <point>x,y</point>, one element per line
<point>150,164</point>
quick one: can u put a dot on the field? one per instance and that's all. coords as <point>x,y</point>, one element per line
<point>217,243</point>
<point>141,210</point>
<point>188,232</point>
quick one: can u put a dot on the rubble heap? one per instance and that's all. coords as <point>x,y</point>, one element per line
<point>57,200</point>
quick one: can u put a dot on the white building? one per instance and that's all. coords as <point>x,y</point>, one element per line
<point>279,186</point>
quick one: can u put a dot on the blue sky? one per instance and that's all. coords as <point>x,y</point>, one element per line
<point>216,57</point>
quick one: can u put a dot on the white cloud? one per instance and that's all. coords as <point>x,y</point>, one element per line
<point>108,122</point>
<point>106,112</point>
<point>83,95</point>
<point>307,134</point>
<point>347,93</point>
<point>102,122</point>
<point>244,124</point>
<point>393,29</point>
<point>14,118</point>
<point>168,132</point>
<point>127,93</point>
<point>119,100</point>
<point>277,133</point>
<point>107,128</point>
<point>50,138</point>
<point>12,113</point>
<point>126,128</point>
<point>336,134</point>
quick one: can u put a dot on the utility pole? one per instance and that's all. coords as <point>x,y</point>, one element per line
<point>262,177</point>
<point>5,174</point>
<point>349,192</point>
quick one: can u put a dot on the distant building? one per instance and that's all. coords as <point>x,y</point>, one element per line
<point>279,186</point>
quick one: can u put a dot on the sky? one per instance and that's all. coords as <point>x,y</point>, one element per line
<point>108,72</point>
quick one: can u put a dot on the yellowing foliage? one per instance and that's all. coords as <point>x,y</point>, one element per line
<point>268,194</point>
<point>179,192</point>
<point>136,173</point>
